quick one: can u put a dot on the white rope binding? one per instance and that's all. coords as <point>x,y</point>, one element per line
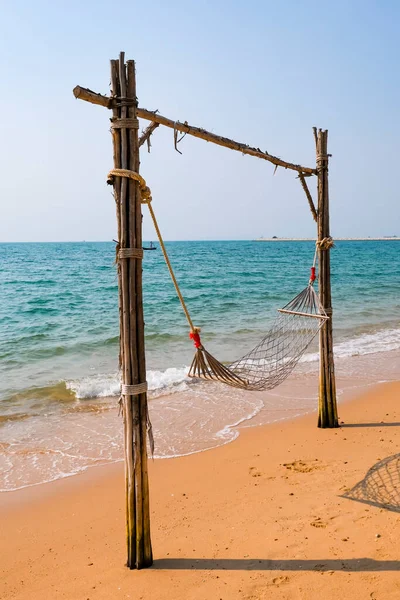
<point>130,253</point>
<point>134,390</point>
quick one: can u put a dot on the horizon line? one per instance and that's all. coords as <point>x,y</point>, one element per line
<point>267,239</point>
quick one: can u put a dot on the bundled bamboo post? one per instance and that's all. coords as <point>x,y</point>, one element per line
<point>127,193</point>
<point>327,407</point>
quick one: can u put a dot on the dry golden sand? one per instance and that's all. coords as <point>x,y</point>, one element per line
<point>263,517</point>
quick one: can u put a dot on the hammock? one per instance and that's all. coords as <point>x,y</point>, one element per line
<point>275,357</point>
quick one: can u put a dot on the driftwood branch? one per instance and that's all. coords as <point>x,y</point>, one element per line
<point>147,133</point>
<point>309,197</point>
<point>90,96</point>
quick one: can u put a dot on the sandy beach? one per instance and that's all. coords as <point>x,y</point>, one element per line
<point>277,513</point>
<point>141,314</point>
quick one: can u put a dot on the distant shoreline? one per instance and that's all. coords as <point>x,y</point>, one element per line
<point>339,239</point>
<point>278,239</point>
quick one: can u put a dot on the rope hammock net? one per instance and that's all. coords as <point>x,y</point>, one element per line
<point>268,364</point>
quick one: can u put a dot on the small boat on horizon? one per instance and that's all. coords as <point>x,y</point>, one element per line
<point>151,247</point>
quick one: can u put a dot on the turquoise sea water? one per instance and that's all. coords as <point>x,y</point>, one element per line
<point>59,318</point>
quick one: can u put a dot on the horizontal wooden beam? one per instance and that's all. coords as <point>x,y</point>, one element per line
<point>221,141</point>
<point>90,96</point>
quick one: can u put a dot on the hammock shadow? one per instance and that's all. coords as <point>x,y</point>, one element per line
<point>256,564</point>
<point>380,486</point>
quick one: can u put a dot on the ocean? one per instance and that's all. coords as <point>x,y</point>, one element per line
<point>59,382</point>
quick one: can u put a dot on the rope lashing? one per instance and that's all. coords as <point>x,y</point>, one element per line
<point>134,389</point>
<point>322,162</point>
<point>312,274</point>
<point>146,199</point>
<point>130,253</point>
<point>195,336</point>
<point>125,123</point>
<point>130,175</point>
<point>325,244</point>
<point>117,102</point>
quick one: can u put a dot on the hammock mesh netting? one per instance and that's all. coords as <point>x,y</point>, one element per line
<point>277,354</point>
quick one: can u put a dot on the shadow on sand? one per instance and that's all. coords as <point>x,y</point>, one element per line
<point>344,425</point>
<point>381,485</point>
<point>254,564</point>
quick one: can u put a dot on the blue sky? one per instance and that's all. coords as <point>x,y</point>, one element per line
<point>260,72</point>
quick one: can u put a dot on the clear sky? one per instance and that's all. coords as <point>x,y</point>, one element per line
<point>261,72</point>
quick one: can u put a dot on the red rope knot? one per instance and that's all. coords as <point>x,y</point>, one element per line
<point>195,336</point>
<point>312,275</point>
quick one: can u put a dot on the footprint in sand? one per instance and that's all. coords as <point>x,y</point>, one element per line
<point>300,466</point>
<point>318,523</point>
<point>254,473</point>
<point>280,580</point>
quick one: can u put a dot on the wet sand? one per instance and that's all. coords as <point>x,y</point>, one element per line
<point>279,513</point>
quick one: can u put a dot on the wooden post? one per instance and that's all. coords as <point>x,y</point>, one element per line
<point>327,407</point>
<point>132,356</point>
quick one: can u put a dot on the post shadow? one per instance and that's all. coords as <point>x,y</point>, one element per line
<point>382,424</point>
<point>256,564</point>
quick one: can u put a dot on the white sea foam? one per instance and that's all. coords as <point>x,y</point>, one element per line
<point>202,417</point>
<point>170,380</point>
<point>96,386</point>
<point>174,379</point>
<point>101,386</point>
<point>366,343</point>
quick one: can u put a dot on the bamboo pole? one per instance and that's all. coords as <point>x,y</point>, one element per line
<point>128,198</point>
<point>117,195</point>
<point>109,102</point>
<point>116,135</point>
<point>144,549</point>
<point>327,407</point>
